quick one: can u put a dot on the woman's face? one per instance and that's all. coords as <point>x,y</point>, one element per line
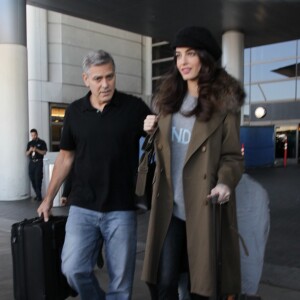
<point>188,63</point>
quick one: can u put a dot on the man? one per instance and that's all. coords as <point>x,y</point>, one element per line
<point>100,139</point>
<point>36,149</point>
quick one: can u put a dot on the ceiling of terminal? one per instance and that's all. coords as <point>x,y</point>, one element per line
<point>262,21</point>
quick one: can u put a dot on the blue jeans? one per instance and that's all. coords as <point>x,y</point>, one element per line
<point>84,231</point>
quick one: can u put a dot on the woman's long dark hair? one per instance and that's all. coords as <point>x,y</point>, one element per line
<point>172,89</point>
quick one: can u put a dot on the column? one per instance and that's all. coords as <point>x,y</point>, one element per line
<point>14,181</point>
<point>233,56</point>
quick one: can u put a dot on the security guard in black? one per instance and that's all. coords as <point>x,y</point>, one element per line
<point>36,149</point>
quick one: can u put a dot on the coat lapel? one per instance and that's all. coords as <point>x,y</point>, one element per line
<point>165,140</point>
<point>201,131</point>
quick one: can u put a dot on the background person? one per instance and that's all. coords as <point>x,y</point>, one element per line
<point>36,149</point>
<point>198,156</point>
<point>100,138</point>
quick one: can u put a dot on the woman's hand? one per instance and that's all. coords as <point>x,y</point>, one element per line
<point>222,191</point>
<point>150,123</point>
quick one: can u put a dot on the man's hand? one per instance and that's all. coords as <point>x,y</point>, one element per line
<point>45,209</point>
<point>150,123</point>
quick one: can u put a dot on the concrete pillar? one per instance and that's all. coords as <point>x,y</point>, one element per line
<point>14,181</point>
<point>38,72</point>
<point>233,56</point>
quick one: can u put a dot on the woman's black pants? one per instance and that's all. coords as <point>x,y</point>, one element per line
<point>173,262</point>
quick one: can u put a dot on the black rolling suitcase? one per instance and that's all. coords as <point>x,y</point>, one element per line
<point>36,248</point>
<point>217,254</point>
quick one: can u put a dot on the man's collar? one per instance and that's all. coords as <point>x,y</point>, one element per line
<point>86,104</point>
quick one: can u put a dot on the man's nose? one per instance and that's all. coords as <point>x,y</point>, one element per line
<point>104,82</point>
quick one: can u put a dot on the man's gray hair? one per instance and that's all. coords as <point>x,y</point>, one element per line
<point>97,58</point>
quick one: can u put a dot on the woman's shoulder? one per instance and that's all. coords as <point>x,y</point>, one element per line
<point>228,92</point>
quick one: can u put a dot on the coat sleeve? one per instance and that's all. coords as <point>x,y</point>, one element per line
<point>231,165</point>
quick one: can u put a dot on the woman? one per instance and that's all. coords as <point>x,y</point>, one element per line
<point>198,156</point>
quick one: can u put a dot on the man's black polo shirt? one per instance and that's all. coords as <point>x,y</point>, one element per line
<point>106,146</point>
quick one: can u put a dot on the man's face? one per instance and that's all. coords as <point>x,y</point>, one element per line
<point>33,135</point>
<point>101,80</point>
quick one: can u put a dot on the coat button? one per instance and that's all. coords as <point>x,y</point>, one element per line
<point>157,195</point>
<point>203,149</point>
<point>159,146</point>
<point>204,176</point>
<point>161,170</point>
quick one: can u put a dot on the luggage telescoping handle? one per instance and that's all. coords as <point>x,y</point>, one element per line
<point>216,246</point>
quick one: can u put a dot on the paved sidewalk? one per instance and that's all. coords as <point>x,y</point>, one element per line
<point>281,274</point>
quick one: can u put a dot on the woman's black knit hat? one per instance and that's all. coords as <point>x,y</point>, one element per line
<point>198,38</point>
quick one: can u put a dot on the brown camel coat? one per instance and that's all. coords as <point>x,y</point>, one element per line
<point>213,156</point>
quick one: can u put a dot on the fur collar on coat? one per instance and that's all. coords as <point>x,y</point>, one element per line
<point>227,92</point>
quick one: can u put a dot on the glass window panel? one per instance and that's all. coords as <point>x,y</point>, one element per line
<point>56,130</point>
<point>56,133</point>
<point>273,51</point>
<point>247,90</point>
<point>246,108</point>
<point>298,91</point>
<point>276,91</point>
<point>247,56</point>
<point>256,94</point>
<point>247,74</point>
<point>57,114</point>
<point>162,51</point>
<point>161,68</point>
<point>273,71</point>
<point>154,85</point>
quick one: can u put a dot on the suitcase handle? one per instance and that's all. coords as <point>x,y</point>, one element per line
<point>216,246</point>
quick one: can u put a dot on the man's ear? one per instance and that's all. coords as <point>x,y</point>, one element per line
<point>85,79</point>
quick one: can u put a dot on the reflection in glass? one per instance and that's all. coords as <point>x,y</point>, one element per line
<point>273,52</point>
<point>270,71</point>
<point>282,90</point>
